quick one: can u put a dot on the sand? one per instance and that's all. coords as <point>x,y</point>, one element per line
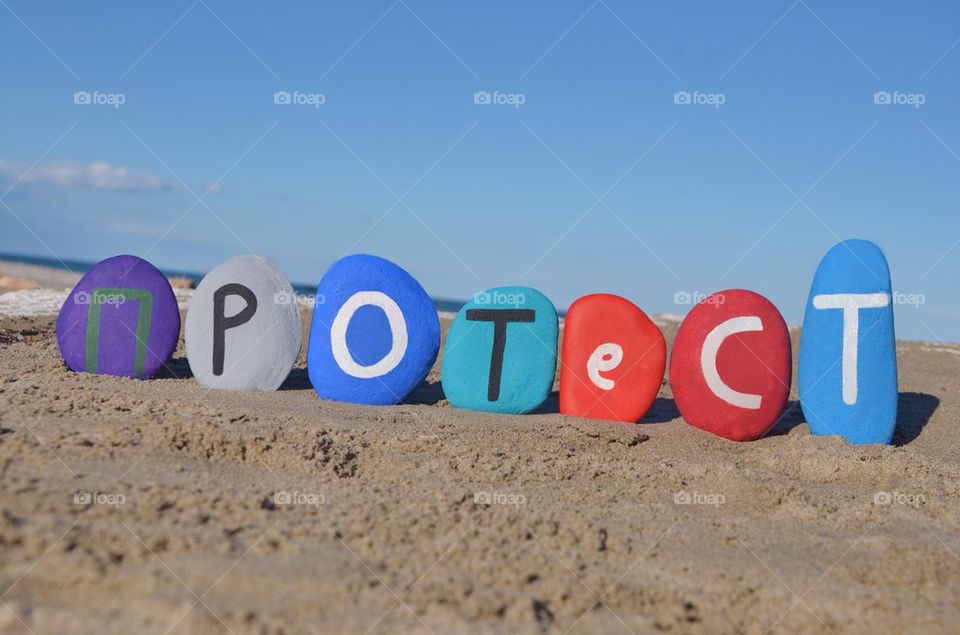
<point>162,507</point>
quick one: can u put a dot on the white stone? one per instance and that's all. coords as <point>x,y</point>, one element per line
<point>258,348</point>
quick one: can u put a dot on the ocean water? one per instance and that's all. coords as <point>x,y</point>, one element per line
<point>80,266</point>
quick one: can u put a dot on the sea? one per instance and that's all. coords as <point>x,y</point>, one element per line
<point>81,266</point>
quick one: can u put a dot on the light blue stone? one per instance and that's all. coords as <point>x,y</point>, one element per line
<point>375,333</point>
<point>848,359</point>
<point>529,357</point>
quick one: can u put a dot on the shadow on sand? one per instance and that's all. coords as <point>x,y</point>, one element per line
<point>297,380</point>
<point>914,410</point>
<point>175,368</point>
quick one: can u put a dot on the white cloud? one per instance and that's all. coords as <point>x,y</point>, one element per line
<point>98,175</point>
<point>212,188</point>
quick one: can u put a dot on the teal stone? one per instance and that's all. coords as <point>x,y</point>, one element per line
<point>501,351</point>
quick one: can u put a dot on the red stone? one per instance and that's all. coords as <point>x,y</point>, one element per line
<point>603,388</point>
<point>745,395</point>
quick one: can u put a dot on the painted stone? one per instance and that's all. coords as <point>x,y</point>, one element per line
<point>121,319</point>
<point>612,359</point>
<point>242,330</point>
<point>375,333</point>
<point>847,371</point>
<point>501,351</point>
<point>731,365</point>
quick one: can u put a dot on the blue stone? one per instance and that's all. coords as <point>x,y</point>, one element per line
<point>375,333</point>
<point>501,351</point>
<point>847,371</point>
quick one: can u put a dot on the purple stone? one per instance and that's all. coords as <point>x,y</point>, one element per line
<point>121,319</point>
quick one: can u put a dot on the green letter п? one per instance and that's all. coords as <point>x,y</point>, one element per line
<point>99,297</point>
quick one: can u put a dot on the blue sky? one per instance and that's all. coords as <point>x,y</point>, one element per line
<point>588,177</point>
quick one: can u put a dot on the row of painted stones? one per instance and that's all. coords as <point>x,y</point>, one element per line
<point>375,335</point>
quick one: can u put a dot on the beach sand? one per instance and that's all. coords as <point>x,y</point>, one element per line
<point>153,507</point>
